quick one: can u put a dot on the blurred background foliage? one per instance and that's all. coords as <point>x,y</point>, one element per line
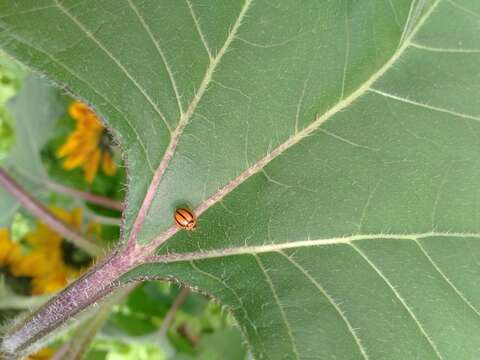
<point>46,139</point>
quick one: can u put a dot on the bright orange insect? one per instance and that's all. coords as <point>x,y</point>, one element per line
<point>185,219</point>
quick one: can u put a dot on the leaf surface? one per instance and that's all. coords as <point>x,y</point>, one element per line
<point>331,149</point>
<point>35,109</point>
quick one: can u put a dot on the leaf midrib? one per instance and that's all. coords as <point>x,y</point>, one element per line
<point>182,124</point>
<point>299,135</point>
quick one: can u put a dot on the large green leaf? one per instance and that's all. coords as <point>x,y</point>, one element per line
<point>35,110</point>
<point>330,147</point>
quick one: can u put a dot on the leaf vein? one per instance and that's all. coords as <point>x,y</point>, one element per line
<point>407,21</point>
<point>280,307</point>
<point>400,298</point>
<point>28,11</point>
<point>464,9</point>
<point>260,164</point>
<point>426,106</point>
<point>347,52</point>
<point>447,280</point>
<point>232,290</point>
<point>332,302</point>
<point>142,20</point>
<point>444,50</point>
<point>266,248</point>
<point>71,72</point>
<point>443,182</point>
<point>90,36</point>
<point>365,208</point>
<point>199,29</point>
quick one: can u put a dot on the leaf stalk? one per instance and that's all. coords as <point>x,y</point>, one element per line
<point>40,211</point>
<point>74,299</point>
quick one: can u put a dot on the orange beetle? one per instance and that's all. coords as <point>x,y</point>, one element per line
<point>185,219</point>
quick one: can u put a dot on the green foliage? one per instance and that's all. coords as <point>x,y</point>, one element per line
<point>11,74</point>
<point>145,308</point>
<point>140,317</point>
<point>117,350</point>
<point>35,110</point>
<point>332,148</point>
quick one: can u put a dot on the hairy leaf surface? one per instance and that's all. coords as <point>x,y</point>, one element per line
<point>331,148</point>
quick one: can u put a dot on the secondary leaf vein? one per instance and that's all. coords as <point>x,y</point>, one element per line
<point>92,37</point>
<point>426,106</point>
<point>92,88</point>
<point>400,298</point>
<point>280,307</point>
<point>258,249</point>
<point>332,302</point>
<point>232,290</point>
<point>160,52</point>
<point>447,280</point>
<point>199,29</point>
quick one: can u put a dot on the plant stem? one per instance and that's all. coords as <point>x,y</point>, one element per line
<point>93,198</point>
<point>88,289</point>
<point>79,344</point>
<point>40,211</point>
<point>167,321</point>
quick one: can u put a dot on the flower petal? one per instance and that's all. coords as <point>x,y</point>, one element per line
<point>108,165</point>
<point>91,166</point>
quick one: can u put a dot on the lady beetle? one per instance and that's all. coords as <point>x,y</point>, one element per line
<point>185,219</point>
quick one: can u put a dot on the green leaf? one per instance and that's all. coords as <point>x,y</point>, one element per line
<point>11,76</point>
<point>35,109</point>
<point>115,350</point>
<point>224,344</point>
<point>330,150</point>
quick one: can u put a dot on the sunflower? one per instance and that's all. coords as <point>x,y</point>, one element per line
<point>45,262</point>
<point>43,354</point>
<point>88,146</point>
<point>10,252</point>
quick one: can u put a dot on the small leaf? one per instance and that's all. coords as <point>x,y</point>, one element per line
<point>35,109</point>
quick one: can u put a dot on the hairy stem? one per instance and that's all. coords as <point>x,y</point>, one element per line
<point>91,287</point>
<point>40,211</point>
<point>92,198</point>
<point>79,344</point>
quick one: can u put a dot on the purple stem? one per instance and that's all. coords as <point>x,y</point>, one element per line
<point>79,344</point>
<point>40,211</point>
<point>94,199</point>
<point>91,287</point>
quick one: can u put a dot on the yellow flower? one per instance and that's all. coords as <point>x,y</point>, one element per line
<point>45,262</point>
<point>10,252</point>
<point>43,354</point>
<point>87,145</point>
